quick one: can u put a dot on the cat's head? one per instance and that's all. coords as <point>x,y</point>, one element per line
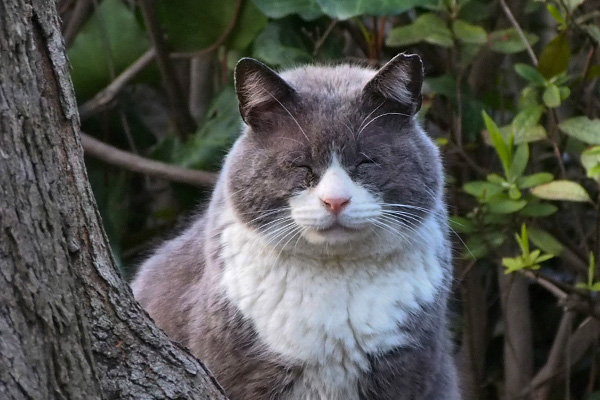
<point>333,155</point>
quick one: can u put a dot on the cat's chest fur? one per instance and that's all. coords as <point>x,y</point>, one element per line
<point>327,314</point>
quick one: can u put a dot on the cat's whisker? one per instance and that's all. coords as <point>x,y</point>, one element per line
<point>265,211</point>
<point>266,215</point>
<point>376,118</point>
<point>391,230</point>
<point>410,226</point>
<point>369,115</point>
<point>290,114</point>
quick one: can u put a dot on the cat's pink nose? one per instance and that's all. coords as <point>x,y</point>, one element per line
<point>335,205</point>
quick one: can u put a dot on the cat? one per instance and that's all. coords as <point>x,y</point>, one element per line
<point>321,267</point>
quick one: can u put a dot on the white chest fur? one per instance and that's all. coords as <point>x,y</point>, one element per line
<point>327,314</point>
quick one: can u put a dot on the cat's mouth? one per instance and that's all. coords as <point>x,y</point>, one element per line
<point>336,227</point>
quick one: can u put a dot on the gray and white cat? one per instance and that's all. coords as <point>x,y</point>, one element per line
<point>321,268</point>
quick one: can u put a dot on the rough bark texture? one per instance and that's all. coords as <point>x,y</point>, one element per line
<point>69,327</point>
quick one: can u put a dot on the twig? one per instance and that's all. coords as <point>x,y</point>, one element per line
<point>135,163</point>
<point>179,110</point>
<point>515,24</point>
<point>546,284</point>
<point>553,364</point>
<point>81,13</point>
<point>319,43</point>
<point>106,96</point>
<point>219,41</point>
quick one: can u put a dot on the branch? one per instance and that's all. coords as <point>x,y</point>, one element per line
<point>219,41</point>
<point>83,10</point>
<point>515,24</point>
<point>135,163</point>
<point>106,96</point>
<point>179,109</point>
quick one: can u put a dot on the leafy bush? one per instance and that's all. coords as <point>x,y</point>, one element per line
<point>511,96</point>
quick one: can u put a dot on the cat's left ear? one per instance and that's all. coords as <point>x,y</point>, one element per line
<point>399,82</point>
<point>260,91</point>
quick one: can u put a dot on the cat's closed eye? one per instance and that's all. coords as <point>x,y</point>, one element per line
<point>366,161</point>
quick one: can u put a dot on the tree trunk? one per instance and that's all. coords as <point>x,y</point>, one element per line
<point>69,326</point>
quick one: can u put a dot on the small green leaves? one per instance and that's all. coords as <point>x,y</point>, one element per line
<point>519,162</point>
<point>528,259</point>
<point>482,190</point>
<point>540,178</point>
<point>582,128</point>
<point>593,31</point>
<point>501,147</point>
<point>508,41</point>
<point>555,56</point>
<point>590,284</point>
<point>526,119</point>
<point>562,23</point>
<point>469,33</point>
<point>506,206</point>
<point>545,241</point>
<point>551,96</point>
<point>590,159</point>
<point>561,190</point>
<point>426,28</point>
<point>531,74</point>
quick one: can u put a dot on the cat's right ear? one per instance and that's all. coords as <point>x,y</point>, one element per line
<point>399,83</point>
<point>260,90</point>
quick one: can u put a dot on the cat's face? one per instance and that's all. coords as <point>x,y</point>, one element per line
<point>333,155</point>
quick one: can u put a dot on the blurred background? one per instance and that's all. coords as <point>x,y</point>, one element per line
<point>511,97</point>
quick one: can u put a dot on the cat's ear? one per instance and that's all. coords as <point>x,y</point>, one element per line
<point>259,90</point>
<point>399,82</point>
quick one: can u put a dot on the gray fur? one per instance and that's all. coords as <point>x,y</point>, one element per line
<point>294,123</point>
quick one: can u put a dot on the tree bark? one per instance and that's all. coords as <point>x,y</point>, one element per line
<point>69,326</point>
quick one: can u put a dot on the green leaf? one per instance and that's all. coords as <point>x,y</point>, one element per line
<point>508,41</point>
<point>593,31</point>
<point>572,5</point>
<point>556,14</point>
<point>535,133</point>
<point>545,241</point>
<point>555,56</point>
<point>478,246</point>
<point>482,189</point>
<point>519,161</point>
<point>514,193</point>
<point>531,74</point>
<point>280,45</point>
<point>194,25</point>
<point>111,39</point>
<point>444,85</point>
<point>501,147</point>
<point>426,28</point>
<point>506,206</point>
<point>526,119</point>
<point>497,179</point>
<point>551,96</point>
<point>539,178</point>
<point>222,125</point>
<point>469,33</point>
<point>512,264</point>
<point>582,128</point>
<point>565,92</point>
<point>350,8</point>
<point>590,159</point>
<point>537,210</point>
<point>307,9</point>
<point>561,190</point>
